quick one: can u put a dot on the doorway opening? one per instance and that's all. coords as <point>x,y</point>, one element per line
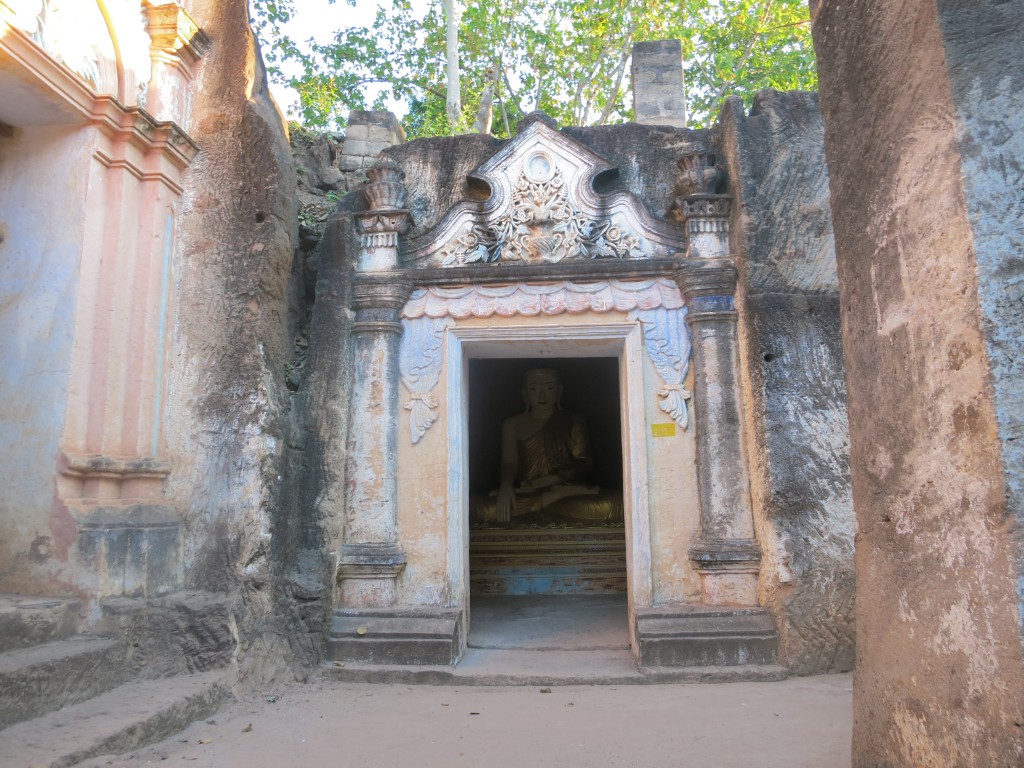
<point>553,579</point>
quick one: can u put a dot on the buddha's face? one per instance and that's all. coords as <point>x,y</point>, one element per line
<point>542,390</point>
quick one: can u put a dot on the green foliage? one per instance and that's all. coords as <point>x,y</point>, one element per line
<point>568,58</point>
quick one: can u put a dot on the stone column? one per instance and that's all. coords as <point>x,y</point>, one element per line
<point>726,554</point>
<point>371,557</point>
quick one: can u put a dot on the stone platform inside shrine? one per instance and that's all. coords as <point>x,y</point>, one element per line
<point>523,561</point>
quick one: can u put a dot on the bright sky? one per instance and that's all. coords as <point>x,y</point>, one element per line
<point>320,19</point>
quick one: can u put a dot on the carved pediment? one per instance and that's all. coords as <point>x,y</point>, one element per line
<point>543,209</point>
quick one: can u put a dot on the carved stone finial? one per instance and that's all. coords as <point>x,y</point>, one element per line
<point>701,175</point>
<point>385,190</point>
<point>379,227</point>
<point>702,205</point>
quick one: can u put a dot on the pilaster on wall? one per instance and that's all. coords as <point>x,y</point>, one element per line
<point>176,48</point>
<point>110,522</point>
<point>111,474</point>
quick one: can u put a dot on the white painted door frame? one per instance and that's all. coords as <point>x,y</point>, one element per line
<point>621,340</point>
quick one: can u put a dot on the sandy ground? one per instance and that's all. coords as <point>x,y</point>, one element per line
<point>797,723</point>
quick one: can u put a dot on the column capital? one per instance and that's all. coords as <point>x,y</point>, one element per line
<point>378,301</point>
<point>708,287</point>
<point>174,34</point>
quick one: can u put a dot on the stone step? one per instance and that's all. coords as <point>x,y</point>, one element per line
<point>520,667</point>
<point>696,636</point>
<point>27,621</point>
<point>394,636</point>
<point>118,721</point>
<point>47,677</point>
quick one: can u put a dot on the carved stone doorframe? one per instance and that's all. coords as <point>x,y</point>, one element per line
<point>621,340</point>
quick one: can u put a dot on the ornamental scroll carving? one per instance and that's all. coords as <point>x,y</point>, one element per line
<point>667,339</point>
<point>542,225</point>
<point>656,304</point>
<point>420,359</point>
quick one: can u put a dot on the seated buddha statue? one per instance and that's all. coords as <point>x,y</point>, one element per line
<point>545,464</point>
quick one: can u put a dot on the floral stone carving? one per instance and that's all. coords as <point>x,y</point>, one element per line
<point>542,226</point>
<point>656,304</point>
<point>420,359</point>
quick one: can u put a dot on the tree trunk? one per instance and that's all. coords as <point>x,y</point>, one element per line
<point>453,13</point>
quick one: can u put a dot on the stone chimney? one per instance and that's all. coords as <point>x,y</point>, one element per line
<point>659,97</point>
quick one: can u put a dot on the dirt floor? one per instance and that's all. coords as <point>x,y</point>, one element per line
<point>796,723</point>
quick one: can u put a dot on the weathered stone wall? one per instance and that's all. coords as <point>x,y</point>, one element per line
<point>923,144</point>
<point>792,369</point>
<point>228,406</point>
<point>39,282</point>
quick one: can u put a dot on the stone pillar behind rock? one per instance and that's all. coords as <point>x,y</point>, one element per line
<point>659,96</point>
<point>367,134</point>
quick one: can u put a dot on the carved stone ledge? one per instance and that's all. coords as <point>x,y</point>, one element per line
<point>370,561</point>
<point>729,570</point>
<point>378,305</point>
<point>83,465</point>
<point>173,32</point>
<point>733,555</point>
<point>716,208</point>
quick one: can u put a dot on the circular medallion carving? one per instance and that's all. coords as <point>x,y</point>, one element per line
<point>539,167</point>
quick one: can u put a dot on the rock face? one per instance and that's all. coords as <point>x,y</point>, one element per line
<point>793,371</point>
<point>228,406</point>
<point>924,145</point>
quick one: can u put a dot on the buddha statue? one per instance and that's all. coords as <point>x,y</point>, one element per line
<point>545,464</point>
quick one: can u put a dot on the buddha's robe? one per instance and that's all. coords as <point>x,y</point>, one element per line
<point>562,448</point>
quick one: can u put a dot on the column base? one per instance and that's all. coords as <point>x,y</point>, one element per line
<point>367,572</point>
<point>728,571</point>
<point>396,636</point>
<point>700,636</point>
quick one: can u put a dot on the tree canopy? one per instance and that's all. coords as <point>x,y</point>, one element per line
<point>568,58</point>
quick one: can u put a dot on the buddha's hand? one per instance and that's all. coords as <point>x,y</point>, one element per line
<point>542,482</point>
<point>506,503</point>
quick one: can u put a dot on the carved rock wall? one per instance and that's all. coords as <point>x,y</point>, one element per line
<point>792,368</point>
<point>228,407</point>
<point>923,135</point>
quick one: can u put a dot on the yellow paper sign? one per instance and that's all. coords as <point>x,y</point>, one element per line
<point>663,430</point>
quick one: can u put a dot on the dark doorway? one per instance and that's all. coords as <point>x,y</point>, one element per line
<point>545,558</point>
